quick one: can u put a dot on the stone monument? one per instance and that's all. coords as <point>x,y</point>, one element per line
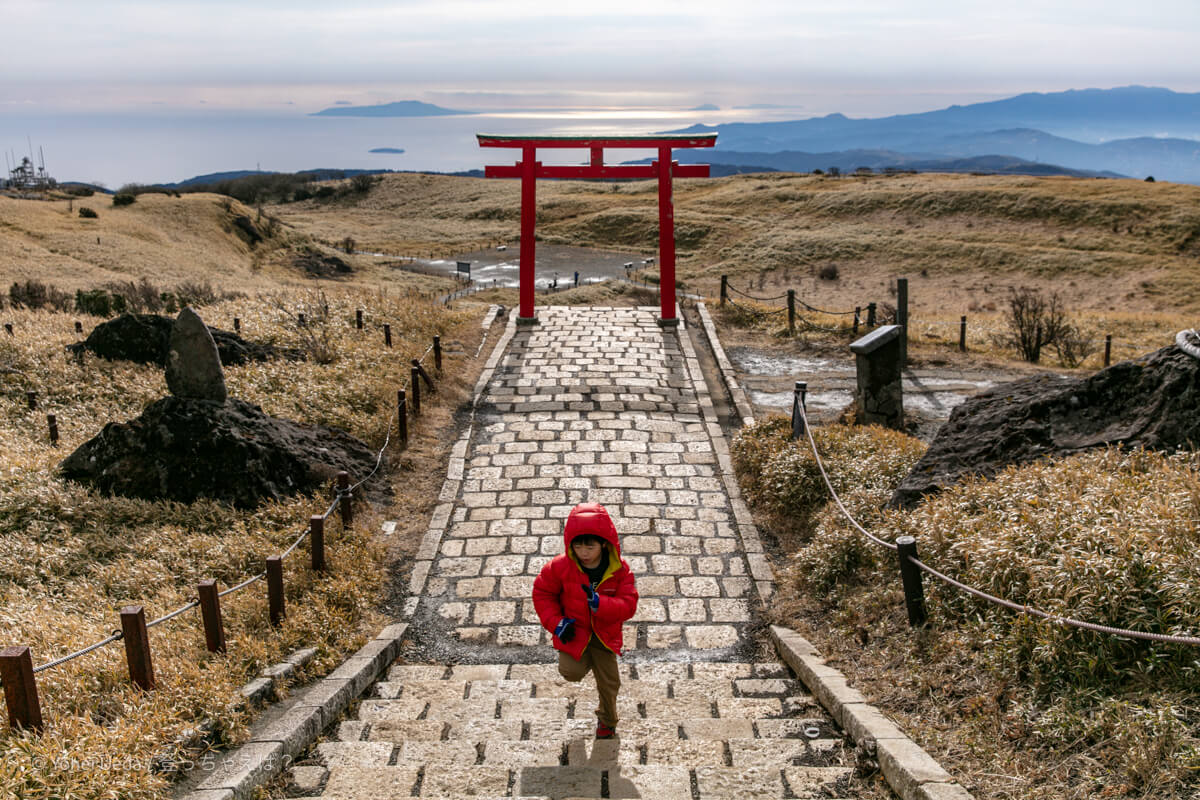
<point>193,364</point>
<point>880,396</point>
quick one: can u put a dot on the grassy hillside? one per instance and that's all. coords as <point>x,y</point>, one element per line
<point>960,238</point>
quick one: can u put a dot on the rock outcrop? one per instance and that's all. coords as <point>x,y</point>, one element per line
<point>186,448</point>
<point>145,339</point>
<point>1151,402</point>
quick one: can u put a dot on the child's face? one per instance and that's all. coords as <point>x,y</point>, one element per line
<point>587,552</point>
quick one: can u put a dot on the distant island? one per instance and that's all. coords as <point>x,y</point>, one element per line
<point>403,108</point>
<point>706,107</point>
<point>390,150</point>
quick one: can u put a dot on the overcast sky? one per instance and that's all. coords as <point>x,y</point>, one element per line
<point>866,57</point>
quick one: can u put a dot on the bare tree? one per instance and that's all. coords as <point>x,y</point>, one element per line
<point>1034,321</point>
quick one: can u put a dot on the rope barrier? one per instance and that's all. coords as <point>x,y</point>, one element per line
<point>242,585</point>
<point>104,643</point>
<point>825,477</point>
<point>1075,623</point>
<point>752,297</point>
<point>1024,609</point>
<point>174,614</point>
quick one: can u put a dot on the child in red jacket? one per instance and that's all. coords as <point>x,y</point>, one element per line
<point>583,596</point>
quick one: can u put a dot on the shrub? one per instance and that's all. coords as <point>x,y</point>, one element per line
<point>828,272</point>
<point>1108,536</point>
<point>138,298</point>
<point>124,199</point>
<point>1032,322</point>
<point>363,183</point>
<point>96,302</point>
<point>348,244</point>
<point>79,191</point>
<point>35,294</point>
<point>1075,344</point>
<point>87,213</point>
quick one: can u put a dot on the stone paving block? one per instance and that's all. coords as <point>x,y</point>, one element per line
<point>719,729</point>
<point>388,709</point>
<point>740,783</point>
<point>729,610</point>
<point>663,636</point>
<point>486,546</point>
<point>711,637</point>
<point>671,565</point>
<point>457,613</point>
<point>520,635</point>
<point>482,729</point>
<point>716,670</point>
<point>459,781</point>
<point>561,729</point>
<point>498,612</point>
<point>459,567</point>
<point>700,587</point>
<point>354,783</point>
<point>251,765</point>
<point>306,780</point>
<point>646,781</point>
<point>475,587</point>
<point>679,708</point>
<point>355,754</point>
<point>686,752</point>
<point>490,690</point>
<point>515,755</point>
<point>907,766</point>
<point>479,672</point>
<point>747,752</point>
<point>703,689</point>
<point>650,610</point>
<point>559,782</point>
<point>406,730</point>
<point>474,635</point>
<point>533,708</point>
<point>455,752</point>
<point>748,707</point>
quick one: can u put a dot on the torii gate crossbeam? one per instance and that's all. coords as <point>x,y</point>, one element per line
<point>529,169</point>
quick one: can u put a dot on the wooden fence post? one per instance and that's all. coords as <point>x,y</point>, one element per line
<point>414,385</point>
<point>799,400</point>
<point>402,416</point>
<point>237,325</point>
<point>78,326</point>
<point>910,576</point>
<point>137,646</point>
<point>857,313</point>
<point>1108,350</point>
<point>300,320</point>
<point>902,317</point>
<point>20,688</point>
<point>9,328</point>
<point>275,602</point>
<point>316,532</point>
<point>31,400</point>
<point>345,507</point>
<point>724,288</point>
<point>387,334</point>
<point>870,315</point>
<point>358,319</point>
<point>52,424</point>
<point>962,334</point>
<point>424,375</point>
<point>210,612</point>
<point>437,352</point>
<point>791,294</point>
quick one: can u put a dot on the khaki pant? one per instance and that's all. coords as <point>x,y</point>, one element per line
<point>602,663</point>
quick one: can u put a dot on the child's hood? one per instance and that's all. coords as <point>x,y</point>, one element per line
<point>592,518</point>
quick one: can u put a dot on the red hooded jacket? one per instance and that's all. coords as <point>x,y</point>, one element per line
<point>558,589</point>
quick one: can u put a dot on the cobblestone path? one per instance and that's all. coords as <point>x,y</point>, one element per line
<point>603,405</point>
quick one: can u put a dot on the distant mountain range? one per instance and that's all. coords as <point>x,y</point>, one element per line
<point>1131,131</point>
<point>403,108</point>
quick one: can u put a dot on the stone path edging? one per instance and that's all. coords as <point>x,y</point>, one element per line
<point>909,770</point>
<point>271,748</point>
<point>736,392</point>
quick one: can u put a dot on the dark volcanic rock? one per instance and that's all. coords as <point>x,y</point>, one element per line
<point>145,338</point>
<point>1151,402</point>
<point>184,449</point>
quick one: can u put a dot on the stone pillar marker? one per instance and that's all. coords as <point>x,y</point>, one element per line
<point>193,363</point>
<point>880,396</point>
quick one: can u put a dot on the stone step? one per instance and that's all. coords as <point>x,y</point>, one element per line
<point>580,782</point>
<point>713,730</point>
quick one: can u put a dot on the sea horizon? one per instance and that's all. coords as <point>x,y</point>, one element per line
<point>150,147</point>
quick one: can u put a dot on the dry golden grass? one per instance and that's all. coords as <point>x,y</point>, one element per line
<point>69,558</point>
<point>1013,706</point>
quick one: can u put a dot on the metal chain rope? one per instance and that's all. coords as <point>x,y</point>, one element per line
<point>755,311</point>
<point>752,297</point>
<point>1055,618</point>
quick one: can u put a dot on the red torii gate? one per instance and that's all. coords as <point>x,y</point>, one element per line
<point>529,169</point>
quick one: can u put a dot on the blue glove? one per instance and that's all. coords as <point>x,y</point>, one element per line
<point>565,629</point>
<point>593,598</point>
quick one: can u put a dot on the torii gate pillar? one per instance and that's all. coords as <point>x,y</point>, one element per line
<point>529,169</point>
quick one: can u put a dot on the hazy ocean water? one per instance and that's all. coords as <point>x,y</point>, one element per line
<point>171,146</point>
